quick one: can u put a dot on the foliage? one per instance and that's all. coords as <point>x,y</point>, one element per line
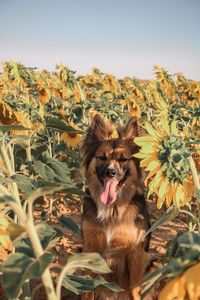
<point>42,118</point>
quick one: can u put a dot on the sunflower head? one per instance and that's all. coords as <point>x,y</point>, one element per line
<point>72,139</point>
<point>164,155</point>
<point>172,155</point>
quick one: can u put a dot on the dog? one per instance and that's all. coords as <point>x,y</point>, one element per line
<point>115,217</point>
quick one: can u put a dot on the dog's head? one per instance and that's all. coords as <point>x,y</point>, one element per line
<point>110,169</point>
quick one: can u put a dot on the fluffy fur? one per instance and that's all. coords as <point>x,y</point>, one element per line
<point>115,229</point>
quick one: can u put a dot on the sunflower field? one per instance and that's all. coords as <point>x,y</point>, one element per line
<point>43,116</point>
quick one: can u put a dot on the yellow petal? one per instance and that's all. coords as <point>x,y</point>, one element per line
<point>165,126</point>
<point>145,162</point>
<point>154,184</point>
<point>151,174</point>
<point>169,196</point>
<point>143,140</point>
<point>140,155</point>
<point>192,278</point>
<point>174,129</point>
<point>160,202</point>
<point>189,186</point>
<point>175,289</point>
<point>174,188</point>
<point>152,165</point>
<point>151,130</point>
<point>163,188</point>
<point>180,195</point>
<point>163,105</point>
<point>147,149</point>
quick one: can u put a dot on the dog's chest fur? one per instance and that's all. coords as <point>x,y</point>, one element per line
<point>114,229</point>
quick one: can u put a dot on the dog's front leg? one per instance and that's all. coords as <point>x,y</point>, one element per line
<point>137,262</point>
<point>87,296</point>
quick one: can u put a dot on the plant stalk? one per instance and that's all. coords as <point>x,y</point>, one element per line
<point>196,184</point>
<point>38,251</point>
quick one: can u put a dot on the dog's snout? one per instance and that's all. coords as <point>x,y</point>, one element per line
<point>110,172</point>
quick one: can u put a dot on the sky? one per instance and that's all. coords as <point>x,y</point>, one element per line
<point>120,37</point>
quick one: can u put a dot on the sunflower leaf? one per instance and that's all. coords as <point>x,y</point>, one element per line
<point>78,284</point>
<point>58,125</point>
<point>19,267</point>
<point>5,128</point>
<point>170,215</point>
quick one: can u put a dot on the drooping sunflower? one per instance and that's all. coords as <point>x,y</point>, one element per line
<point>72,139</point>
<point>8,116</point>
<point>133,108</point>
<point>164,153</point>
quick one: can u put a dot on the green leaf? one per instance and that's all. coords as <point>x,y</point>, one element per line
<point>189,240</point>
<point>6,199</point>
<point>170,215</point>
<point>61,169</point>
<point>5,128</point>
<point>79,284</point>
<point>91,261</point>
<point>52,170</point>
<point>58,125</point>
<point>48,237</point>
<point>47,187</point>
<point>44,171</point>
<point>75,191</point>
<point>46,234</point>
<point>23,246</point>
<point>24,183</point>
<point>151,280</point>
<point>19,267</point>
<point>69,223</point>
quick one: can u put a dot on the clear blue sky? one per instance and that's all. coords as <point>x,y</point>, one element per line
<point>123,37</point>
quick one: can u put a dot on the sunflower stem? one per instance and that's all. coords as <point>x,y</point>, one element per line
<point>8,164</point>
<point>24,219</point>
<point>28,222</point>
<point>196,183</point>
<point>29,158</point>
<point>38,250</point>
<point>192,216</point>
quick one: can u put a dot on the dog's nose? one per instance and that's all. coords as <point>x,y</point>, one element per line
<point>110,172</point>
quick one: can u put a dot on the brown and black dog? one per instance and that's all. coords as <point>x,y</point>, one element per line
<point>115,216</point>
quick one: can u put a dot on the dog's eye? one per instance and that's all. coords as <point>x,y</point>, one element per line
<point>123,159</point>
<point>102,157</point>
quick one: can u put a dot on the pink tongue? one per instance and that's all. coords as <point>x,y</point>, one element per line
<point>109,195</point>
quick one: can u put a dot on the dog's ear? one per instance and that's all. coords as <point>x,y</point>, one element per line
<point>99,130</point>
<point>130,130</point>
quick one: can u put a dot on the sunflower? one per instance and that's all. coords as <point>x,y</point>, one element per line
<point>8,116</point>
<point>72,139</point>
<point>133,108</point>
<point>186,284</point>
<point>164,155</point>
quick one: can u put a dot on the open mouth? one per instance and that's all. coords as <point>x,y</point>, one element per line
<point>110,188</point>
